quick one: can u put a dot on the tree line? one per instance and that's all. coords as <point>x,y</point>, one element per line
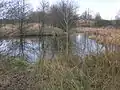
<point>98,21</point>
<point>62,14</point>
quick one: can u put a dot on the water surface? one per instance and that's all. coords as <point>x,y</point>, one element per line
<point>33,48</point>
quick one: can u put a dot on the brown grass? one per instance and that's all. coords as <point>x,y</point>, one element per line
<point>96,72</point>
<point>103,35</point>
<point>30,29</point>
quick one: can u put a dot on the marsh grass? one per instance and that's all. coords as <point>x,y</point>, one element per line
<point>95,72</point>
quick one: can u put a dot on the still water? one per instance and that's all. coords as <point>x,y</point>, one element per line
<point>33,48</point>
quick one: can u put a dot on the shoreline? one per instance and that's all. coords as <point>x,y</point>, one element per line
<point>105,36</point>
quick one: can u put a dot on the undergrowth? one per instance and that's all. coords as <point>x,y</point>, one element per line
<point>95,72</point>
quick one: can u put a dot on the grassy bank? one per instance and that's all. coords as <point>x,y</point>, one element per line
<point>32,29</point>
<point>96,72</point>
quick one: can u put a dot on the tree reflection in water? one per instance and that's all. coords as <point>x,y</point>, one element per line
<point>32,48</point>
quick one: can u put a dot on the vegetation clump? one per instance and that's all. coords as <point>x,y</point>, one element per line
<point>95,72</point>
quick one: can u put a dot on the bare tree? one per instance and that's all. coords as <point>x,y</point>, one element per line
<point>43,8</point>
<point>53,16</point>
<point>16,11</point>
<point>65,17</point>
<point>117,20</point>
<point>86,15</point>
<point>98,16</point>
<point>64,14</point>
<point>117,17</point>
<point>2,11</point>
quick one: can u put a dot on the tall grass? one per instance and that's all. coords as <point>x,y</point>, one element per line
<point>95,72</point>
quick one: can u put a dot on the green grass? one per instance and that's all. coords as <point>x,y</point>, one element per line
<point>96,72</point>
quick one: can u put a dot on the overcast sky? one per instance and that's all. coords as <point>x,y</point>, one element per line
<point>107,8</point>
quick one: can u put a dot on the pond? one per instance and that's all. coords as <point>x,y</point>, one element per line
<point>32,48</point>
